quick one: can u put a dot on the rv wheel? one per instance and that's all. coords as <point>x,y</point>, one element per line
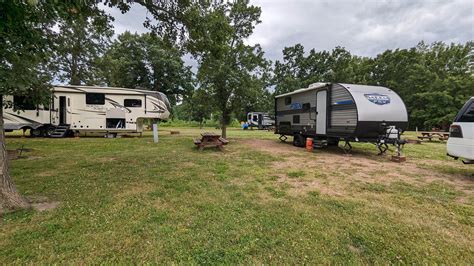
<point>299,140</point>
<point>49,131</point>
<point>36,133</point>
<point>333,142</point>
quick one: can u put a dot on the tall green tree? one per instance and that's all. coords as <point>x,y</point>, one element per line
<point>147,61</point>
<point>196,107</point>
<point>81,41</point>
<point>26,36</point>
<point>298,70</point>
<point>27,42</point>
<point>229,70</point>
<point>434,80</point>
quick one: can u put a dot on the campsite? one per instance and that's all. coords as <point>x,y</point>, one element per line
<point>236,132</point>
<point>258,201</point>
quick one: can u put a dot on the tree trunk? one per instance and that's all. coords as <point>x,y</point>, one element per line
<point>9,197</point>
<point>224,122</point>
<point>75,80</point>
<point>224,131</point>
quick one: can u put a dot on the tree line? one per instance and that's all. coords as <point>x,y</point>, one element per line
<point>433,79</point>
<point>44,42</point>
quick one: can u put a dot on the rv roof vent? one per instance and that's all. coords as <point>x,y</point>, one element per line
<point>317,85</point>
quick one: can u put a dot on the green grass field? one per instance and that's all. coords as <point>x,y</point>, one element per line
<point>260,201</point>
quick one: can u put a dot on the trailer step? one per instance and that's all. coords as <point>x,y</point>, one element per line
<point>60,132</point>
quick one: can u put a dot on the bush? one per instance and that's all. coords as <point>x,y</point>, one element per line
<point>206,123</point>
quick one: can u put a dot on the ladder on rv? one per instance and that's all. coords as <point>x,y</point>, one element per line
<point>60,131</point>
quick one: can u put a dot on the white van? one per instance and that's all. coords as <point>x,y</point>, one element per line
<point>461,134</point>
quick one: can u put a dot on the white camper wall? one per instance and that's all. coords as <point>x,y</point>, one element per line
<point>27,118</point>
<point>307,118</point>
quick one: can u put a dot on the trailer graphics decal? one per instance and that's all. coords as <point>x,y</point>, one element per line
<point>378,99</point>
<point>295,106</point>
<point>344,102</point>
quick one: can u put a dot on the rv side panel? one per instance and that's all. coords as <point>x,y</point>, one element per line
<point>296,113</point>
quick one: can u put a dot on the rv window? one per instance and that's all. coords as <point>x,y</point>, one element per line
<point>95,98</point>
<point>287,100</point>
<point>132,103</point>
<point>296,119</point>
<point>68,101</point>
<point>306,106</point>
<point>250,117</point>
<point>23,103</point>
<point>255,118</point>
<point>468,115</point>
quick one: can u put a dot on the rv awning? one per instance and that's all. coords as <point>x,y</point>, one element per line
<point>310,87</point>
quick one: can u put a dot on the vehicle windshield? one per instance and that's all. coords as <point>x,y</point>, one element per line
<point>467,113</point>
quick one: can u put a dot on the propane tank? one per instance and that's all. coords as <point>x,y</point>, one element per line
<point>309,144</point>
<point>392,132</point>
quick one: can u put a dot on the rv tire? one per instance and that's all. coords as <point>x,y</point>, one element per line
<point>333,142</point>
<point>48,131</point>
<point>36,133</point>
<point>299,140</point>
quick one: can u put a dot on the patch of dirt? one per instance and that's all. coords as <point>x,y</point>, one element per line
<point>41,203</point>
<point>332,173</point>
<point>273,146</point>
<point>45,206</point>
<point>106,159</point>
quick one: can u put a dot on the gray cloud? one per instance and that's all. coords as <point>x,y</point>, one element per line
<point>365,28</point>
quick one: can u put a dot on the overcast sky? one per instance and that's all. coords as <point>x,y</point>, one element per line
<point>364,27</point>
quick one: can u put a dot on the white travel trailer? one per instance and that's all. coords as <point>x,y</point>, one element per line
<point>329,112</point>
<point>260,119</point>
<point>87,109</point>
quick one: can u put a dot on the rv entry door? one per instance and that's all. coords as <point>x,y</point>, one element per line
<point>321,101</point>
<point>62,110</point>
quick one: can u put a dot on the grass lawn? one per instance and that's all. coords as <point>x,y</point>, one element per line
<point>260,201</point>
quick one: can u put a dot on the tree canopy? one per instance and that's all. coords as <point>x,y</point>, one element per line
<point>434,80</point>
<point>229,70</point>
<point>81,41</point>
<point>146,61</point>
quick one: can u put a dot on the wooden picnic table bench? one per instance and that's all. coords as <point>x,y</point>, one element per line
<point>210,140</point>
<point>433,134</point>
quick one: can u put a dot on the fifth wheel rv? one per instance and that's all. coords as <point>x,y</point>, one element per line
<point>75,109</point>
<point>333,112</point>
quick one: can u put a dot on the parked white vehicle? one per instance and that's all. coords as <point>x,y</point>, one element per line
<point>461,134</point>
<point>87,109</point>
<point>260,119</point>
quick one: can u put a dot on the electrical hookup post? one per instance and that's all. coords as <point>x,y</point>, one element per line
<point>155,131</point>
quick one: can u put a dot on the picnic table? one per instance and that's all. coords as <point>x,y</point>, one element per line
<point>434,134</point>
<point>210,140</point>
